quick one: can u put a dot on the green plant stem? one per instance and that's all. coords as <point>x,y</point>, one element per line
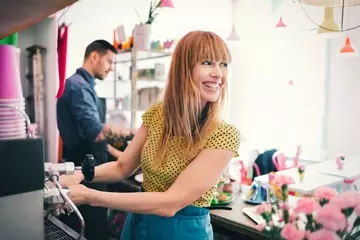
<point>286,216</point>
<point>309,225</point>
<point>356,223</point>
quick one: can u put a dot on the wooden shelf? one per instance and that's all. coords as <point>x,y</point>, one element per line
<point>124,56</point>
<point>17,15</point>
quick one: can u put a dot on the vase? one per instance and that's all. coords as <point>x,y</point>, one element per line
<point>301,176</point>
<point>142,36</point>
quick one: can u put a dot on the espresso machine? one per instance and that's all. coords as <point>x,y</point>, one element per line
<point>31,197</point>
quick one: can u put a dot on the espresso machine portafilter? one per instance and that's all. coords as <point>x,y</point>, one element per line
<point>56,197</point>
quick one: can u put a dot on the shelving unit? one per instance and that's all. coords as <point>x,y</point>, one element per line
<point>133,56</point>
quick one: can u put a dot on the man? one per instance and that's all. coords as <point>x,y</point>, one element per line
<point>82,131</point>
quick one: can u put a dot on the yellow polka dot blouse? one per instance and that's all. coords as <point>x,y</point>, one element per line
<point>159,179</point>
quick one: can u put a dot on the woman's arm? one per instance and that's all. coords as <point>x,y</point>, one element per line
<point>114,152</point>
<point>200,176</point>
<point>125,165</point>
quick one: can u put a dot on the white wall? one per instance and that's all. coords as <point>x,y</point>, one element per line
<point>268,111</point>
<point>44,34</point>
<point>344,100</point>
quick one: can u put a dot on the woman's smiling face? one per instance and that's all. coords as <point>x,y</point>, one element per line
<point>210,77</point>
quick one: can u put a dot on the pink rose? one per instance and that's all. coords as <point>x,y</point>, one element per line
<point>325,193</point>
<point>323,234</point>
<point>263,208</point>
<point>301,168</point>
<point>331,217</point>
<point>290,232</point>
<point>260,227</point>
<point>346,200</point>
<point>284,206</point>
<point>281,180</point>
<point>306,206</point>
<point>357,209</point>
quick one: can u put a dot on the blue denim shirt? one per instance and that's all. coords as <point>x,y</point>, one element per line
<point>78,118</point>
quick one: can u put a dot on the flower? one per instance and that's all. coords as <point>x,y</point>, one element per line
<point>306,206</point>
<point>284,206</point>
<point>281,180</point>
<point>325,193</point>
<point>263,208</point>
<point>290,232</point>
<point>260,227</point>
<point>357,210</point>
<point>301,168</point>
<point>346,200</point>
<point>331,217</point>
<point>323,234</point>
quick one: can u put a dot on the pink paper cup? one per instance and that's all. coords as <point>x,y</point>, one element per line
<point>9,73</point>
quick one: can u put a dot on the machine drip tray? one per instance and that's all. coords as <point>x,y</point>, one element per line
<point>56,230</point>
<point>53,232</point>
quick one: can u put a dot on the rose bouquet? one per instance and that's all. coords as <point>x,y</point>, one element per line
<point>326,215</point>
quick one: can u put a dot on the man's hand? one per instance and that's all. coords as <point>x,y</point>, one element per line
<point>124,132</point>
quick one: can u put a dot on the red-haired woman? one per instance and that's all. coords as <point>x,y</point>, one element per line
<point>183,146</point>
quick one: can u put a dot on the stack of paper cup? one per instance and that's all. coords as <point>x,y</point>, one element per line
<point>12,102</point>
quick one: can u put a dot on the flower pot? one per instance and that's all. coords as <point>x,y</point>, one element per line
<point>142,36</point>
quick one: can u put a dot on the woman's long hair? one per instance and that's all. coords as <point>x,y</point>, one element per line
<point>182,101</point>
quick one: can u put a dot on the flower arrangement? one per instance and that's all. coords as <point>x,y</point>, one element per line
<point>280,184</point>
<point>301,171</point>
<point>155,5</point>
<point>326,215</point>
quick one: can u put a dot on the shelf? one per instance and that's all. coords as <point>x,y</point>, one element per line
<point>17,15</point>
<point>124,56</point>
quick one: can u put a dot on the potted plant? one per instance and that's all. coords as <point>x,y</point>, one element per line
<point>142,31</point>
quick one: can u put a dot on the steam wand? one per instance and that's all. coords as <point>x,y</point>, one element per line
<point>54,178</point>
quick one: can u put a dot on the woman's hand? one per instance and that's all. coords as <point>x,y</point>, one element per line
<point>69,180</point>
<point>80,194</point>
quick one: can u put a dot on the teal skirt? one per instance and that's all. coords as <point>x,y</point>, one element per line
<point>189,223</point>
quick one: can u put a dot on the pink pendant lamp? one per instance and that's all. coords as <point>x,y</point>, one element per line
<point>167,3</point>
<point>233,35</point>
<point>348,50</point>
<point>280,24</point>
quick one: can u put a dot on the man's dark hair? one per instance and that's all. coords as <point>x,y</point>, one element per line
<point>99,46</point>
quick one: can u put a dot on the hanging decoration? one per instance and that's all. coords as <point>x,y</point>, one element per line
<point>62,50</point>
<point>280,24</point>
<point>348,50</point>
<point>329,24</point>
<point>234,36</point>
<point>329,6</point>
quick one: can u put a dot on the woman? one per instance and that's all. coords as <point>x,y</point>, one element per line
<point>182,146</point>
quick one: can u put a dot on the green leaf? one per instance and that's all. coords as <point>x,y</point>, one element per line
<point>347,212</point>
<point>357,222</point>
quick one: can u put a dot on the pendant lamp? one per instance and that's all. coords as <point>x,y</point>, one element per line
<point>348,50</point>
<point>280,24</point>
<point>329,27</point>
<point>234,36</point>
<point>167,3</point>
<point>328,24</point>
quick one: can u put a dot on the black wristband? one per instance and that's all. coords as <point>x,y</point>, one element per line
<point>88,167</point>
